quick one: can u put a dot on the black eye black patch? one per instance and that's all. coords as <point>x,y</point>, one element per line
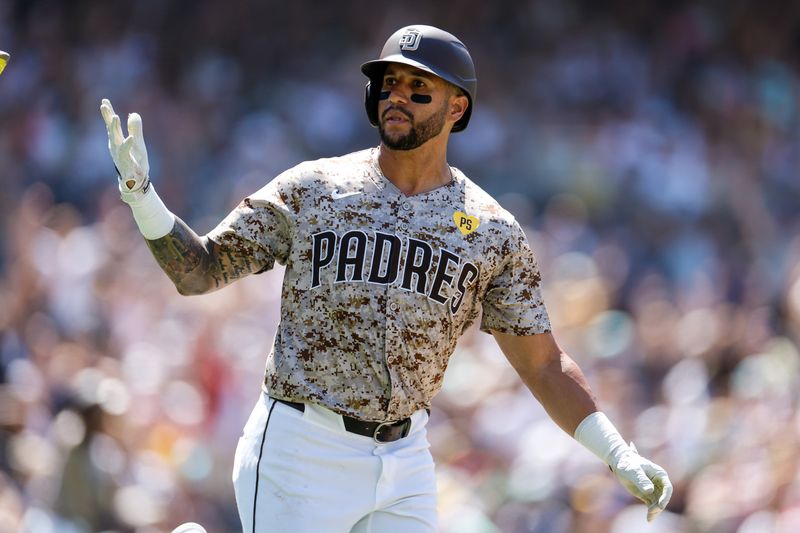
<point>418,98</point>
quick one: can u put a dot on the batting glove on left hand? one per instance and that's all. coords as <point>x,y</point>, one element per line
<point>129,153</point>
<point>643,479</point>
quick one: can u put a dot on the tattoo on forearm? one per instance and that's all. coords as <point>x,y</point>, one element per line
<point>198,265</point>
<point>179,252</point>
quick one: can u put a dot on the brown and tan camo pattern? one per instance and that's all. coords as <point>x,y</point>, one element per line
<point>366,345</point>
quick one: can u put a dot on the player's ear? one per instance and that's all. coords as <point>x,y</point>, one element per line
<point>458,105</point>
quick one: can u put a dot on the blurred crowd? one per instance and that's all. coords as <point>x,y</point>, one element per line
<point>650,150</point>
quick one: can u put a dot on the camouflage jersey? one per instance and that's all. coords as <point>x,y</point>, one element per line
<point>379,286</point>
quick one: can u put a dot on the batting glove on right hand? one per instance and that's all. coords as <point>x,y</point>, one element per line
<point>129,153</point>
<point>643,479</point>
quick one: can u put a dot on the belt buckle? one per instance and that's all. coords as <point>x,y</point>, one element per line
<point>406,430</point>
<point>378,430</point>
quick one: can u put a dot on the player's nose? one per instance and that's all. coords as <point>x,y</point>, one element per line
<point>399,93</point>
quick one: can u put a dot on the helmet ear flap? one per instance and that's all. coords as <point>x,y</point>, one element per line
<point>371,95</point>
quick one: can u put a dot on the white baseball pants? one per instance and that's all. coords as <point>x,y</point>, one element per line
<point>303,472</point>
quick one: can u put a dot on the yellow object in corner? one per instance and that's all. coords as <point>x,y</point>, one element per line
<point>4,57</point>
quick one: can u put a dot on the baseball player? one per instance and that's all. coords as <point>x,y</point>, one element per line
<point>390,254</point>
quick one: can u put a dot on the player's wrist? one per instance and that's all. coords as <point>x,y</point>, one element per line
<point>597,434</point>
<point>152,216</point>
<point>132,196</point>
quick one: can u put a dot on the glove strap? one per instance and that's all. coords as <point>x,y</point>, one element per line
<point>130,197</point>
<point>598,435</point>
<point>151,215</point>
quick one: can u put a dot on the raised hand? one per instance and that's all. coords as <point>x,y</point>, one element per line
<point>129,153</point>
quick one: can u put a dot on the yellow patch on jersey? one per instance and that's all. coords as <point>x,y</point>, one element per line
<point>465,223</point>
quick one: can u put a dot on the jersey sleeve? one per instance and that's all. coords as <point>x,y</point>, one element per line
<point>513,301</point>
<point>260,226</point>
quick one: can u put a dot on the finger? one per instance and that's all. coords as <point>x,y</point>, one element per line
<point>134,124</point>
<point>125,146</point>
<point>658,475</point>
<point>664,493</point>
<point>115,131</point>
<point>107,111</point>
<point>105,102</point>
<point>641,489</point>
<point>642,481</point>
<point>655,508</point>
<point>113,124</point>
<point>135,130</point>
<point>645,473</point>
<point>653,511</point>
<point>665,489</point>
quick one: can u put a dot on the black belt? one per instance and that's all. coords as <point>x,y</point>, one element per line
<point>380,431</point>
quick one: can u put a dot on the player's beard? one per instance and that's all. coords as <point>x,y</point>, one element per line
<point>419,134</point>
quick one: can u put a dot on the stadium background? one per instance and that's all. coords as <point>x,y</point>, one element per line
<point>650,149</point>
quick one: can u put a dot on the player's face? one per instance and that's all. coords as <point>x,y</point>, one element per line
<point>406,124</point>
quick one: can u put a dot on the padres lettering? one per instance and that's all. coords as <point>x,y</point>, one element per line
<point>348,254</point>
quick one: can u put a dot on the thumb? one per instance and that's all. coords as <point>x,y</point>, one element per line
<point>138,149</point>
<point>135,131</point>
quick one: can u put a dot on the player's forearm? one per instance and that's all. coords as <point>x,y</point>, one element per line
<point>563,391</point>
<point>197,265</point>
<point>187,259</point>
<point>551,375</point>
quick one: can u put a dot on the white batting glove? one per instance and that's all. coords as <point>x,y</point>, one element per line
<point>642,478</point>
<point>130,158</point>
<point>129,153</point>
<point>645,480</point>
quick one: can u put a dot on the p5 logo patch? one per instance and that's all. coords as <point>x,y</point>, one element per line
<point>465,223</point>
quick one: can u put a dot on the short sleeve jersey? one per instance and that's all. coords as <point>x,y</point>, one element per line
<point>379,286</point>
